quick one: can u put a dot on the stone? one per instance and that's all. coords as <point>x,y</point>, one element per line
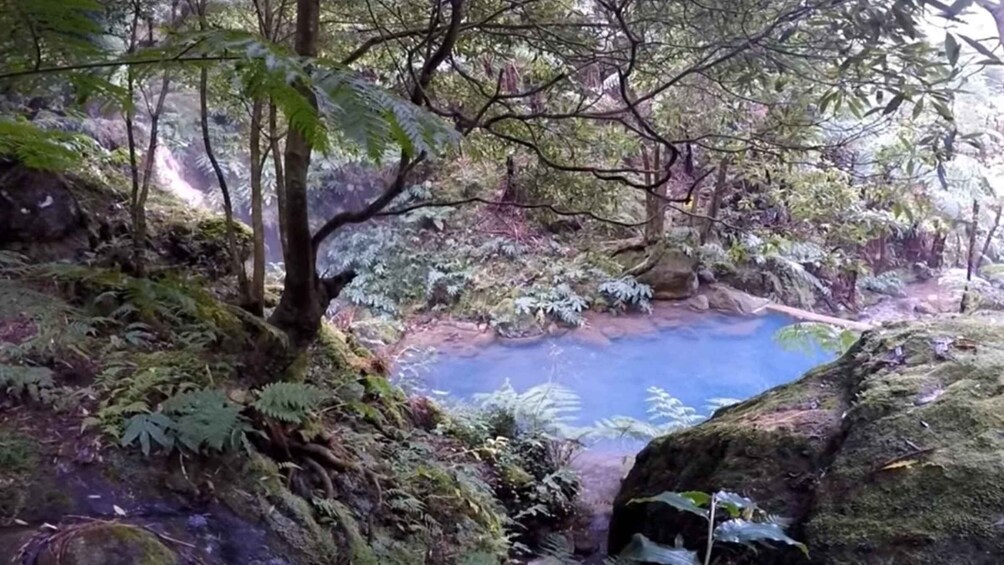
<point>727,299</point>
<point>109,544</point>
<point>924,307</point>
<point>706,276</point>
<point>671,274</point>
<point>869,465</point>
<point>700,303</point>
<point>36,206</point>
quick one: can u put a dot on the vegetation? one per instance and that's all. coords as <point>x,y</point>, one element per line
<point>518,165</point>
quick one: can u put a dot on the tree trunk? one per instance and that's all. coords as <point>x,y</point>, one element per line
<point>990,235</point>
<point>130,114</point>
<point>303,300</point>
<point>716,199</point>
<point>655,202</point>
<point>236,264</point>
<point>971,258</point>
<point>280,177</point>
<point>139,196</point>
<point>936,258</point>
<point>256,304</point>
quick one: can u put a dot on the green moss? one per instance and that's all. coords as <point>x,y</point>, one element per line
<point>18,459</point>
<point>110,544</point>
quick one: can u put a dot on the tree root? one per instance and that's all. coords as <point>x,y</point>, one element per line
<point>325,456</point>
<point>322,474</point>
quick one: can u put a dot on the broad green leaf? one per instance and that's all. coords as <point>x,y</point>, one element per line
<point>683,501</point>
<point>643,550</point>
<point>746,533</point>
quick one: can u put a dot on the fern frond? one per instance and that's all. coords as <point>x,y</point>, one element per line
<point>289,402</point>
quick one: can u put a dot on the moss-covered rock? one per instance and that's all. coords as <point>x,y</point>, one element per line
<point>108,544</point>
<point>892,454</point>
<point>671,273</point>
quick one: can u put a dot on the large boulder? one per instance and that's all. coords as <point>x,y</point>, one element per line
<point>892,454</point>
<point>727,299</point>
<point>671,274</point>
<point>36,206</point>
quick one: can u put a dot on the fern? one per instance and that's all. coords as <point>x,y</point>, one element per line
<point>33,382</point>
<point>666,415</point>
<point>205,419</point>
<point>548,407</point>
<point>37,148</point>
<point>288,402</point>
<point>558,302</point>
<point>807,336</point>
<point>626,293</point>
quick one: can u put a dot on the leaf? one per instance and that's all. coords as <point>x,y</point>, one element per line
<point>981,48</point>
<point>683,501</point>
<point>944,110</point>
<point>644,550</point>
<point>894,104</point>
<point>746,533</point>
<point>952,49</point>
<point>904,464</point>
<point>144,427</point>
<point>733,503</point>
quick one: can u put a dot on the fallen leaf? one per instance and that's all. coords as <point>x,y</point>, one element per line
<point>905,464</point>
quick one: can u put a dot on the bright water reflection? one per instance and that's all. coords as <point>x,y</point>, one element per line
<point>715,356</point>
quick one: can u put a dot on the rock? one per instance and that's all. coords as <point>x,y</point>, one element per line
<point>924,307</point>
<point>36,206</point>
<point>669,272</point>
<point>699,303</point>
<point>706,276</point>
<point>109,544</point>
<point>727,299</point>
<point>869,465</point>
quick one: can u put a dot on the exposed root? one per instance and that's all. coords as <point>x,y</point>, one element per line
<point>325,456</point>
<point>322,474</point>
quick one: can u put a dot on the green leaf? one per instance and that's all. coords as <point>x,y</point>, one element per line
<point>683,501</point>
<point>146,427</point>
<point>943,110</point>
<point>644,550</point>
<point>894,104</point>
<point>982,49</point>
<point>289,402</point>
<point>733,503</point>
<point>747,533</point>
<point>952,49</point>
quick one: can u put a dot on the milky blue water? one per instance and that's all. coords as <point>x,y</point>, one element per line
<point>715,356</point>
